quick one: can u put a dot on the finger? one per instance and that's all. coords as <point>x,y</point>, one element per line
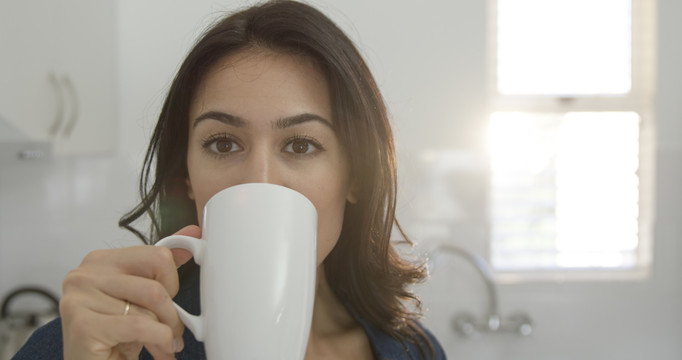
<point>92,333</point>
<point>107,293</point>
<point>147,297</point>
<point>145,294</point>
<point>190,230</point>
<point>181,256</point>
<point>159,354</point>
<point>128,350</point>
<point>146,261</point>
<point>100,302</point>
<point>139,329</point>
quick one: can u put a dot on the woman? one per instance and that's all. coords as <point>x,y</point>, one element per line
<point>275,93</point>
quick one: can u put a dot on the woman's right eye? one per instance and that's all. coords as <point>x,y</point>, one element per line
<point>219,145</point>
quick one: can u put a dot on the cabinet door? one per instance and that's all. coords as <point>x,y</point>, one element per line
<point>59,57</point>
<point>88,74</point>
<point>28,47</point>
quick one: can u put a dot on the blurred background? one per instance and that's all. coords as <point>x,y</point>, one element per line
<point>539,146</point>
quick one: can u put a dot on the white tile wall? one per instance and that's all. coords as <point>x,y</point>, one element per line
<point>52,213</point>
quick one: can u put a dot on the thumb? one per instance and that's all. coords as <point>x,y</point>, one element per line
<point>181,256</point>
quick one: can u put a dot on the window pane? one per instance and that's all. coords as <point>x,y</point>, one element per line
<point>564,190</point>
<point>564,47</point>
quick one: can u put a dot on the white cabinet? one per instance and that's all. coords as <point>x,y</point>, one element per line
<point>58,72</point>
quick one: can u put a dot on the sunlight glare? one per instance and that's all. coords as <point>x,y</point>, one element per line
<point>565,47</point>
<point>564,189</point>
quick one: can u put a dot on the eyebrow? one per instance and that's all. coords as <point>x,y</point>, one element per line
<point>222,117</point>
<point>301,118</point>
<point>282,123</point>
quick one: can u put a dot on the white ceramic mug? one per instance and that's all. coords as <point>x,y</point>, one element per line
<point>258,261</point>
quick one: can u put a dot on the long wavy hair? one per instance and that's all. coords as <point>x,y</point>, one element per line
<point>363,270</point>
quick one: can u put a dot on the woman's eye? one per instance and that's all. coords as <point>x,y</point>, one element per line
<point>302,146</point>
<point>221,145</point>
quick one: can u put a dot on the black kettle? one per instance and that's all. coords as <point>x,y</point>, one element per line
<point>18,325</point>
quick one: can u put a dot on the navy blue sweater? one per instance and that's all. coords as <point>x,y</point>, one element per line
<point>46,342</point>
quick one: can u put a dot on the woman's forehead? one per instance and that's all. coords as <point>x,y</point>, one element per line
<point>262,82</point>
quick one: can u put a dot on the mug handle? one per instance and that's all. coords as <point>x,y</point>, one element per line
<point>196,247</point>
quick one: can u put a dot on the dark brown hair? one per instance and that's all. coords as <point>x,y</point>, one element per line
<point>363,270</point>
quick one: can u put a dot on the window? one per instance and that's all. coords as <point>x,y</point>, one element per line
<point>570,135</point>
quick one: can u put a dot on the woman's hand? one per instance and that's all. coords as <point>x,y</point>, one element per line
<point>96,295</point>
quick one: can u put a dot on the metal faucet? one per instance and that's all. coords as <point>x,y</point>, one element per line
<point>465,323</point>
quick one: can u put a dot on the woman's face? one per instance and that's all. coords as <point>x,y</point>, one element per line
<point>265,117</point>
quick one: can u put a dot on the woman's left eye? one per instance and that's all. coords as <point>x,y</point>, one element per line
<point>221,145</point>
<point>303,146</point>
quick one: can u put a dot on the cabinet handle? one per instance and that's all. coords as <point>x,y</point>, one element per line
<point>59,115</point>
<point>73,96</point>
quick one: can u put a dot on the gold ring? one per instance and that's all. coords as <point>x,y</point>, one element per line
<point>127,308</point>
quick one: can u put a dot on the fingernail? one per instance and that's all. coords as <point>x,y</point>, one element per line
<point>178,345</point>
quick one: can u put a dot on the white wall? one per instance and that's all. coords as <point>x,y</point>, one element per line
<point>430,60</point>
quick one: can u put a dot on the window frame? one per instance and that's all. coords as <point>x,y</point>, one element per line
<point>639,99</point>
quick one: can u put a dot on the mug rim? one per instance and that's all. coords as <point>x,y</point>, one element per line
<point>267,186</point>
